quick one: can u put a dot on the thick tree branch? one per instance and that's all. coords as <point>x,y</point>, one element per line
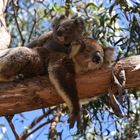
<point>37,92</point>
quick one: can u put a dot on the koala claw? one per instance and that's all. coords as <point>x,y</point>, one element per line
<point>74,118</point>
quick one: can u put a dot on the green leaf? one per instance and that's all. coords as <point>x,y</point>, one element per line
<point>94,7</point>
<point>114,18</point>
<point>111,8</point>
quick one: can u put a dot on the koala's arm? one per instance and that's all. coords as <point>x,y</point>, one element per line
<point>61,75</point>
<point>39,41</point>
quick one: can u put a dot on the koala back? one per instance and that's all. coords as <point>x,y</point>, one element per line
<point>22,60</point>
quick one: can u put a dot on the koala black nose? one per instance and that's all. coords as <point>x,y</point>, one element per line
<point>96,57</point>
<point>60,31</point>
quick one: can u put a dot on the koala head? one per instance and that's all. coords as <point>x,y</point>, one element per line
<point>66,30</point>
<point>90,55</point>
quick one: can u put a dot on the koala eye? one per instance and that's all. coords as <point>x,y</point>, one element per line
<point>96,57</point>
<point>60,30</point>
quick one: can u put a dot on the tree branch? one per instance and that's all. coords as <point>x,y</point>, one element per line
<point>35,93</point>
<point>25,133</point>
<point>33,26</point>
<point>13,128</point>
<point>16,22</point>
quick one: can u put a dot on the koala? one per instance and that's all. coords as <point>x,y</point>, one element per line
<point>61,68</point>
<point>64,31</point>
<point>84,56</point>
<point>22,62</point>
<point>90,55</point>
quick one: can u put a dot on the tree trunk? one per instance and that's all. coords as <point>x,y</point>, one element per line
<point>4,34</point>
<point>37,92</point>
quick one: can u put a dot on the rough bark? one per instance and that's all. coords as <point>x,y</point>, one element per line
<point>4,34</point>
<point>37,92</point>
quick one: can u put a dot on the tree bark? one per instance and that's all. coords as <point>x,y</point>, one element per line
<point>5,37</point>
<point>35,93</point>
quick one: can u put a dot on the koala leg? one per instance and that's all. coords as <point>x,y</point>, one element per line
<point>64,83</point>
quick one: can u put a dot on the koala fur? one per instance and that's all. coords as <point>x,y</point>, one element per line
<point>90,56</point>
<point>22,61</point>
<point>65,30</point>
<point>86,55</point>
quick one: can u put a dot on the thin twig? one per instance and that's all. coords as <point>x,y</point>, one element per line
<point>40,126</point>
<point>17,24</point>
<point>54,119</point>
<point>35,21</point>
<point>23,137</point>
<point>12,128</point>
<point>35,122</point>
<point>39,133</point>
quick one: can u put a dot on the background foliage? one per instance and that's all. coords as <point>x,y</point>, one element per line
<point>113,23</point>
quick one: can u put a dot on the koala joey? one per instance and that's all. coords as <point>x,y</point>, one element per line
<point>64,31</point>
<point>84,56</point>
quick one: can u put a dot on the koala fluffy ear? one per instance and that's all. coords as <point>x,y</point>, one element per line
<point>57,20</point>
<point>79,21</point>
<point>108,54</point>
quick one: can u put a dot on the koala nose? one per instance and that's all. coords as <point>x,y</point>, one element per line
<point>96,57</point>
<point>60,31</point>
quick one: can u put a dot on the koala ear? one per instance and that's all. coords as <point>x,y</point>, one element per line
<point>108,54</point>
<point>80,22</point>
<point>57,20</point>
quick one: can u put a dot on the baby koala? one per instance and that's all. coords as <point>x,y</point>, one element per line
<point>64,31</point>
